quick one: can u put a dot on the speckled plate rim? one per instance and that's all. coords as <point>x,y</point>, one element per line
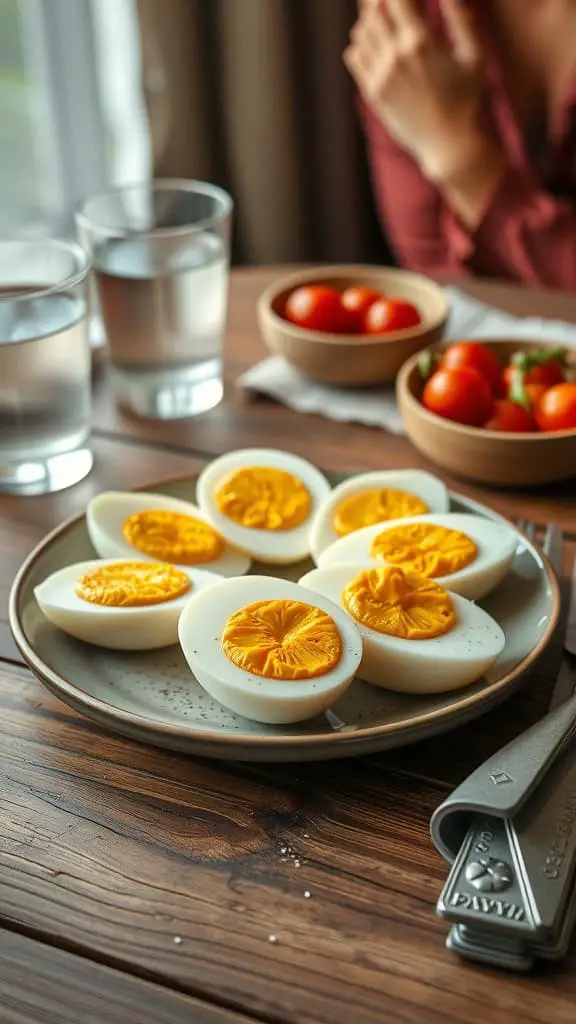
<point>214,742</point>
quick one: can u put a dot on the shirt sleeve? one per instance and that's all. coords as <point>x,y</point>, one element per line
<point>411,210</point>
<point>525,234</point>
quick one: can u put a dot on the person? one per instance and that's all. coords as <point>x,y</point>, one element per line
<point>469,108</point>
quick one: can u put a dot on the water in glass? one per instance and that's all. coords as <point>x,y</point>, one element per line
<point>44,389</point>
<point>163,302</point>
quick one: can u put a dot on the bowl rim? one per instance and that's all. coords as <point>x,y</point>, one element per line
<point>463,428</point>
<point>311,274</point>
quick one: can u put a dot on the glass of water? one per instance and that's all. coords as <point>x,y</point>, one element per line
<point>44,366</point>
<point>161,264</point>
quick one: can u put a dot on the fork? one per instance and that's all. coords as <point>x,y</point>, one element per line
<point>552,547</point>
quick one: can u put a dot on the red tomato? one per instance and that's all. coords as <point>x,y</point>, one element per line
<point>509,416</point>
<point>357,301</point>
<point>556,408</point>
<point>390,315</point>
<point>520,392</point>
<point>534,392</point>
<point>317,308</point>
<point>548,374</point>
<point>462,395</point>
<point>545,375</point>
<point>474,356</point>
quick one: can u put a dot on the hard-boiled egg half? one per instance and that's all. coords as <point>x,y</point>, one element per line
<point>158,528</point>
<point>263,501</point>
<point>370,498</point>
<point>466,553</point>
<point>268,649</point>
<point>130,606</point>
<point>417,636</point>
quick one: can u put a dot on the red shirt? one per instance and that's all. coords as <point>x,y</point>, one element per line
<point>528,230</point>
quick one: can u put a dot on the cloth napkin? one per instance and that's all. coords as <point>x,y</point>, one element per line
<point>377,406</point>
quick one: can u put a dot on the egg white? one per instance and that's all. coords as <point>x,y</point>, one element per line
<point>412,481</point>
<point>108,511</point>
<point>496,544</point>
<point>124,629</point>
<point>273,701</point>
<point>272,546</point>
<point>444,663</point>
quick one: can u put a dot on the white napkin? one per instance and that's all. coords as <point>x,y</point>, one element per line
<point>377,406</point>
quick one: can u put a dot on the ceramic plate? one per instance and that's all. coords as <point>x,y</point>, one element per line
<point>151,696</point>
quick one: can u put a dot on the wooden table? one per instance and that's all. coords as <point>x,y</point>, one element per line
<point>140,886</point>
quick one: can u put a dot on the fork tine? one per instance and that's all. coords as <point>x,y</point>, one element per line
<point>552,546</point>
<point>528,528</point>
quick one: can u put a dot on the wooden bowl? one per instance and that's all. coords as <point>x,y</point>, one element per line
<point>486,456</point>
<point>352,359</point>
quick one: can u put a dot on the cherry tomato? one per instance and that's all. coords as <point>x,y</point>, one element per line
<point>556,408</point>
<point>390,315</point>
<point>509,416</point>
<point>462,395</point>
<point>534,392</point>
<point>317,308</point>
<point>546,375</point>
<point>357,300</point>
<point>474,356</point>
<point>518,390</point>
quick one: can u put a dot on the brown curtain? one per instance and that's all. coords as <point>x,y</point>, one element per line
<point>252,95</point>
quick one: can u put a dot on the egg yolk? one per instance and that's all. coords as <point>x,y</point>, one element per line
<point>425,549</point>
<point>173,537</point>
<point>369,507</point>
<point>399,604</point>
<point>132,584</point>
<point>282,640</point>
<point>262,498</point>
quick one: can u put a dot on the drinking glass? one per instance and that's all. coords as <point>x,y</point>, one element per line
<point>44,366</point>
<point>160,253</point>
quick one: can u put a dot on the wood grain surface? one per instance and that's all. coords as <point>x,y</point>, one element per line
<point>111,852</point>
<point>40,984</point>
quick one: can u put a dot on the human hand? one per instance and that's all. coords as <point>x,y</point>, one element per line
<point>427,97</point>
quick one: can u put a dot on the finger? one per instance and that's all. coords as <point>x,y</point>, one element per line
<point>371,31</point>
<point>359,65</point>
<point>410,30</point>
<point>375,5</point>
<point>380,25</point>
<point>363,37</point>
<point>462,31</point>
<point>404,16</point>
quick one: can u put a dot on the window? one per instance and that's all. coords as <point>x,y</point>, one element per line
<point>72,115</point>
